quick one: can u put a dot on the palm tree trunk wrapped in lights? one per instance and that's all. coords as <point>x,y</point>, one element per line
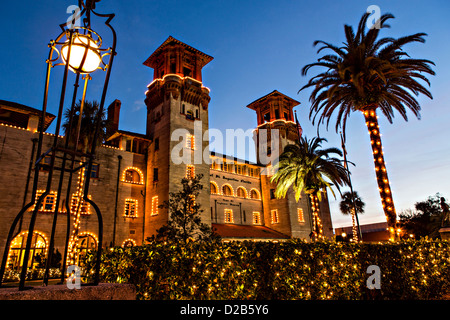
<point>380,166</point>
<point>354,227</point>
<point>317,228</point>
<point>352,204</point>
<point>368,74</point>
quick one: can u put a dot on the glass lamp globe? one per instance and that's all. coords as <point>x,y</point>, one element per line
<point>82,45</point>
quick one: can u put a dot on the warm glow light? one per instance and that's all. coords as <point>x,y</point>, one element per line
<point>154,206</point>
<point>190,171</point>
<point>176,75</point>
<point>127,175</point>
<point>126,243</point>
<point>131,207</point>
<point>274,216</point>
<point>229,216</point>
<point>282,120</point>
<point>83,45</point>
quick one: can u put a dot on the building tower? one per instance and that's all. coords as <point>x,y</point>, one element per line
<point>176,102</point>
<point>275,111</point>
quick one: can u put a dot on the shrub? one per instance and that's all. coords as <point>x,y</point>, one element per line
<point>287,270</point>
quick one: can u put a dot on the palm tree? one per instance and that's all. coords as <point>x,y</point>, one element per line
<point>306,167</point>
<point>88,123</point>
<point>369,75</point>
<point>348,205</point>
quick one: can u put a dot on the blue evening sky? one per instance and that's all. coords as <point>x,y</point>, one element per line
<point>258,46</point>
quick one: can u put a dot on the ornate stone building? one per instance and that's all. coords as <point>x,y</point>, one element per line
<point>134,173</point>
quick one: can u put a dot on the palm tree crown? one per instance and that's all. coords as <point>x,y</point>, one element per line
<point>368,74</point>
<point>305,166</point>
<point>88,124</point>
<point>346,205</point>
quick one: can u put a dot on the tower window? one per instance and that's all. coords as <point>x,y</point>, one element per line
<point>190,171</point>
<point>187,72</point>
<point>183,108</point>
<point>190,141</point>
<point>154,206</point>
<point>267,117</point>
<point>286,116</point>
<point>197,114</point>
<point>158,116</point>
<point>272,193</point>
<point>155,174</point>
<point>301,218</point>
<point>277,113</point>
<point>173,68</point>
<point>156,144</point>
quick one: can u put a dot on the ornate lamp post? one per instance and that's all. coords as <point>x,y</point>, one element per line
<point>78,49</point>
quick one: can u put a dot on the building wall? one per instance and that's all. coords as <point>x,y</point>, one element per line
<point>15,154</point>
<point>168,103</point>
<point>243,208</point>
<point>325,216</point>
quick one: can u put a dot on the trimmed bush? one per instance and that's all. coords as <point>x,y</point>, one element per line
<point>287,270</point>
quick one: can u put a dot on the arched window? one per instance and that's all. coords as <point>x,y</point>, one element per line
<point>227,190</point>
<point>86,241</point>
<point>17,249</point>
<point>214,188</point>
<point>133,175</point>
<point>254,194</point>
<point>241,192</point>
<point>128,243</point>
<point>197,113</point>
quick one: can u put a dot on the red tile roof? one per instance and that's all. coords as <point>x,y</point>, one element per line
<point>247,232</point>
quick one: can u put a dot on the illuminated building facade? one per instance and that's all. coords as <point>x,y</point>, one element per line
<point>134,173</point>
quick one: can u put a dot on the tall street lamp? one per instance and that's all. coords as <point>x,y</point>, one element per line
<point>80,50</point>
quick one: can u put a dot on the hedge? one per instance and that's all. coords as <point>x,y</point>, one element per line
<point>287,270</point>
